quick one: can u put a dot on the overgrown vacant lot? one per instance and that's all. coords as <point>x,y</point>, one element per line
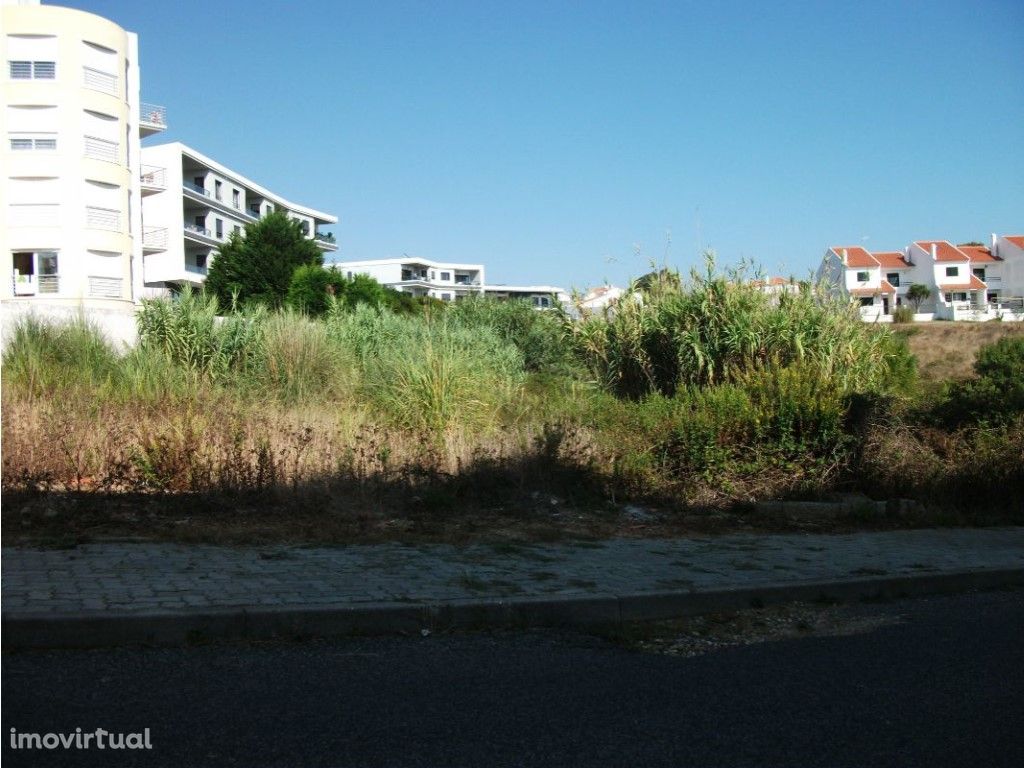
<point>488,420</point>
<point>946,350</point>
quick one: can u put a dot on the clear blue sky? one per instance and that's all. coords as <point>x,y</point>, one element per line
<point>555,141</point>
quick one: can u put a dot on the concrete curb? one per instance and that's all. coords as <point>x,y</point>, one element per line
<point>101,629</point>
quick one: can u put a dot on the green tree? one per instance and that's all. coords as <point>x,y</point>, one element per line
<point>918,293</point>
<point>312,286</point>
<point>258,268</point>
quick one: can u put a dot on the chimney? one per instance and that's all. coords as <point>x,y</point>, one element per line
<point>906,255</point>
<point>995,245</point>
<point>845,258</point>
<point>935,251</point>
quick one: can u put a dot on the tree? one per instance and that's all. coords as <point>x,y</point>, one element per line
<point>258,268</point>
<point>918,293</point>
<point>311,288</point>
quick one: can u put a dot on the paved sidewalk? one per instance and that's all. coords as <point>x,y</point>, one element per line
<point>144,580</point>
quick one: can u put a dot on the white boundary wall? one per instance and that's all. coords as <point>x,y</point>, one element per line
<point>118,325</point>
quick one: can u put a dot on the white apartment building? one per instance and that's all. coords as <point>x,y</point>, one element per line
<point>190,206</point>
<point>540,296</point>
<point>421,277</point>
<point>966,282</point>
<point>70,189</point>
<point>448,281</point>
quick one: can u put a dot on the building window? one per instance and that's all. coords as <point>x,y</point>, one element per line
<point>446,297</point>
<point>201,260</point>
<point>979,272</point>
<point>219,228</point>
<point>216,189</point>
<point>867,301</point>
<point>952,271</point>
<point>236,199</point>
<point>33,142</point>
<point>238,229</point>
<point>446,277</point>
<point>35,272</point>
<point>862,277</point>
<point>894,279</point>
<point>32,70</point>
<point>200,183</point>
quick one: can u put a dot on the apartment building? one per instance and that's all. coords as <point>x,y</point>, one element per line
<point>70,187</point>
<point>540,296</point>
<point>966,282</point>
<point>421,277</point>
<point>192,204</point>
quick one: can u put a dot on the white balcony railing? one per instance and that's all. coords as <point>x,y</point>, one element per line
<point>101,149</point>
<point>153,176</point>
<point>105,287</point>
<point>195,269</point>
<point>154,238</point>
<point>98,80</point>
<point>102,218</point>
<point>153,115</point>
<point>30,285</point>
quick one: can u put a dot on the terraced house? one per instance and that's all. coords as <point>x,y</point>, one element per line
<point>965,282</point>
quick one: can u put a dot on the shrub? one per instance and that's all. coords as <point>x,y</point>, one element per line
<point>311,288</point>
<point>191,334</point>
<point>43,357</point>
<point>903,314</point>
<point>718,327</point>
<point>996,394</point>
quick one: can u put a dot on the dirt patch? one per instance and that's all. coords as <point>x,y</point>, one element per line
<point>946,350</point>
<point>705,634</point>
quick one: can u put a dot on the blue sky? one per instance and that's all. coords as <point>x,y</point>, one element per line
<point>571,143</point>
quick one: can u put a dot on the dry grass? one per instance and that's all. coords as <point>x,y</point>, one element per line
<point>947,350</point>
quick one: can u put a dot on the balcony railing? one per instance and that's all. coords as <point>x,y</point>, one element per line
<point>195,269</point>
<point>102,218</point>
<point>101,149</point>
<point>154,176</point>
<point>30,285</point>
<point>154,238</point>
<point>196,188</point>
<point>152,114</point>
<point>105,287</point>
<point>195,228</point>
<point>98,80</point>
<point>324,237</point>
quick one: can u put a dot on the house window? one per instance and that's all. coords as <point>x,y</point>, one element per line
<point>446,277</point>
<point>979,272</point>
<point>433,275</point>
<point>217,189</point>
<point>35,272</point>
<point>200,182</point>
<point>862,277</point>
<point>238,229</point>
<point>219,228</point>
<point>952,271</point>
<point>32,70</point>
<point>867,301</point>
<point>446,297</point>
<point>894,279</point>
<point>201,260</point>
<point>236,199</point>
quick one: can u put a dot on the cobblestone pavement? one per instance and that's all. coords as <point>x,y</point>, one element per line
<point>123,578</point>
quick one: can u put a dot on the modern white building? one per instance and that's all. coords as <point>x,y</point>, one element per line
<point>421,277</point>
<point>540,296</point>
<point>190,206</point>
<point>966,282</point>
<point>448,281</point>
<point>70,188</point>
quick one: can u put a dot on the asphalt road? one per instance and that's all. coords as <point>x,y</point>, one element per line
<point>942,687</point>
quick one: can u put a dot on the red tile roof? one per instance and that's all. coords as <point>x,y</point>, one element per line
<point>1017,240</point>
<point>974,285</point>
<point>978,254</point>
<point>945,250</point>
<point>892,260</point>
<point>855,256</point>
<point>885,287</point>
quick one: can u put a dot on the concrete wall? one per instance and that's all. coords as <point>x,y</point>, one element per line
<point>116,320</point>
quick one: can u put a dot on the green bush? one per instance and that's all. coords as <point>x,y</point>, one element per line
<point>191,334</point>
<point>996,394</point>
<point>717,327</point>
<point>44,356</point>
<point>311,288</point>
<point>903,314</point>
